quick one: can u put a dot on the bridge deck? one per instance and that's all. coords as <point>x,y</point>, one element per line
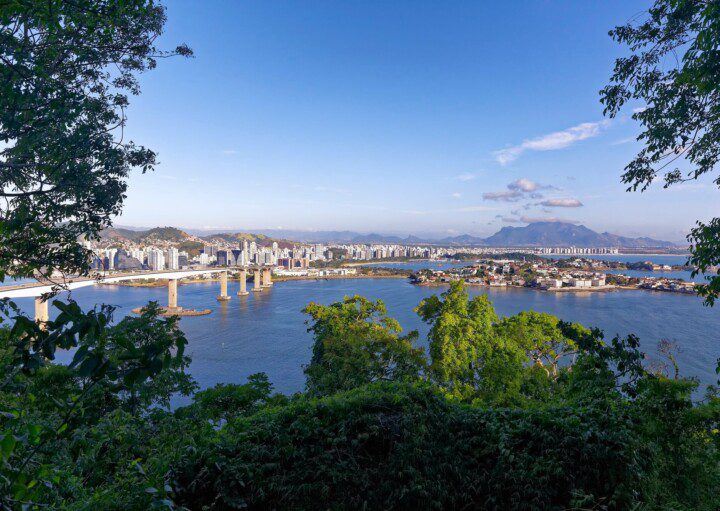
<point>35,289</point>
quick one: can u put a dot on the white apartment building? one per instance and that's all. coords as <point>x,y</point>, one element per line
<point>156,259</point>
<point>171,259</point>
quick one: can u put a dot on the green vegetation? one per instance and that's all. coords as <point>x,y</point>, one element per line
<point>235,237</point>
<point>193,248</point>
<point>520,412</point>
<point>67,70</point>
<point>163,234</point>
<point>672,70</point>
<point>357,343</point>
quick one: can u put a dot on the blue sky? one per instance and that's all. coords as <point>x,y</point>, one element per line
<point>393,117</point>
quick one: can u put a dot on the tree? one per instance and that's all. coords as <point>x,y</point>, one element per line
<point>540,336</point>
<point>672,69</point>
<point>466,355</point>
<point>357,343</point>
<point>66,70</point>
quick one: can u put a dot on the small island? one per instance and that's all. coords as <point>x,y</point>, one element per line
<point>563,275</point>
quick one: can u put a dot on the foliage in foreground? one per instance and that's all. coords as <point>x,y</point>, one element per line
<point>401,446</point>
<point>522,412</point>
<point>671,73</point>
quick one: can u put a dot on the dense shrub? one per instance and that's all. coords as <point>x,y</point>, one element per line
<point>401,446</point>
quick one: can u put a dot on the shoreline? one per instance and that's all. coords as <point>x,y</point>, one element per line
<point>163,283</point>
<point>605,289</point>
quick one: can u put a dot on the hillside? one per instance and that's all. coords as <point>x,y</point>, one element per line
<point>239,237</point>
<point>165,234</point>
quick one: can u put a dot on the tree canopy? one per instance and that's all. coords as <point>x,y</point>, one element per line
<point>67,71</point>
<point>673,76</point>
<point>357,343</point>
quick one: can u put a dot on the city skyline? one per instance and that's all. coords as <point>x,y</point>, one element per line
<point>394,119</point>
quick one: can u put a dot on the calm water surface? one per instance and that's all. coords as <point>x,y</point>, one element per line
<point>266,331</point>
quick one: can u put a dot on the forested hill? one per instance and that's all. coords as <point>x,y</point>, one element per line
<point>178,236</point>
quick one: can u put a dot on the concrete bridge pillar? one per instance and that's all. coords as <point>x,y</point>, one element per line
<point>243,283</point>
<point>223,297</point>
<point>267,277</point>
<point>41,311</point>
<point>172,294</point>
<point>257,285</point>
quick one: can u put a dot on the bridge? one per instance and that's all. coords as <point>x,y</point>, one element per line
<point>42,291</point>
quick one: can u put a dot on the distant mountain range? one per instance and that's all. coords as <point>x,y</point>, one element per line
<point>559,234</point>
<point>549,234</point>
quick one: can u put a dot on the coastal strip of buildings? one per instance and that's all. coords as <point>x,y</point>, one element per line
<point>165,256</point>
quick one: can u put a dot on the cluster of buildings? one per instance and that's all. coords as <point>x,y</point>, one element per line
<point>148,258</point>
<point>576,251</point>
<point>366,252</point>
<point>363,252</point>
<point>242,254</point>
<point>501,273</point>
<point>671,285</point>
<point>247,253</point>
<point>548,276</point>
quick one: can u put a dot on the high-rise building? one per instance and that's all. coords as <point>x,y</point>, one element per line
<point>110,258</point>
<point>156,259</point>
<point>223,257</point>
<point>171,259</point>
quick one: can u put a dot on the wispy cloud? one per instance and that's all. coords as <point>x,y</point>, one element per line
<point>622,141</point>
<point>532,219</point>
<point>456,195</point>
<point>466,176</point>
<point>509,196</point>
<point>551,141</point>
<point>562,203</point>
<point>229,151</point>
<point>517,190</point>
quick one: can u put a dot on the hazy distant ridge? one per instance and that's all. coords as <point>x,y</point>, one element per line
<point>551,234</point>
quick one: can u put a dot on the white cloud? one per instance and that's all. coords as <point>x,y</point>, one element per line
<point>456,195</point>
<point>561,203</point>
<point>524,184</point>
<point>467,176</point>
<point>551,141</point>
<point>518,190</point>
<point>639,109</point>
